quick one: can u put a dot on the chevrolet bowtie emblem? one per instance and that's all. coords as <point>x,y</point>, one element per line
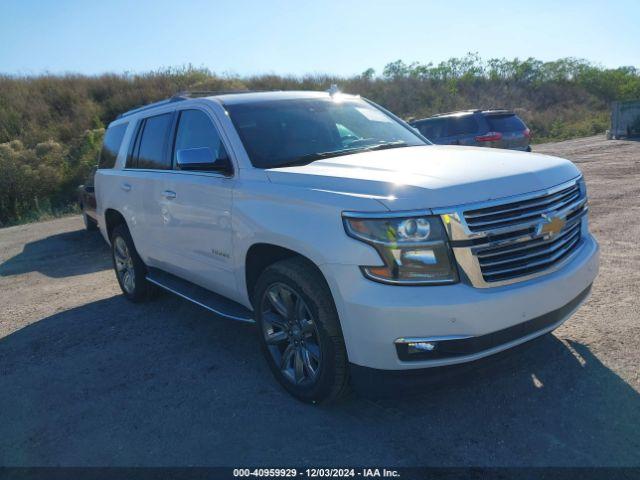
<point>550,226</point>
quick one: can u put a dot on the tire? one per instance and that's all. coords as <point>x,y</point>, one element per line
<point>130,270</point>
<point>304,348</point>
<point>89,223</point>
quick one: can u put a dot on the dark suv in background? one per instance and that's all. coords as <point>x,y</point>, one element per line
<point>480,128</point>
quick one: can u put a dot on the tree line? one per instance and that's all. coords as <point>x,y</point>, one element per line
<point>51,126</point>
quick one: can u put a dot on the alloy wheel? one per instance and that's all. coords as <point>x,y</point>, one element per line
<point>124,265</point>
<point>291,334</point>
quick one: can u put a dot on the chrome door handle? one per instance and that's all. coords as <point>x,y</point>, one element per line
<point>169,195</point>
<point>126,187</point>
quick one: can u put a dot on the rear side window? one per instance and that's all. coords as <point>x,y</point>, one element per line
<point>505,123</point>
<point>196,130</point>
<point>462,125</point>
<point>150,152</point>
<point>433,129</point>
<point>111,145</point>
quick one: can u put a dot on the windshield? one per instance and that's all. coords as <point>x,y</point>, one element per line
<point>296,132</point>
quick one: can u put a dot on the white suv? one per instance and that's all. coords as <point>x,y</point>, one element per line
<point>352,242</point>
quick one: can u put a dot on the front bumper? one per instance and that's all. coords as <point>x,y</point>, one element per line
<point>373,316</point>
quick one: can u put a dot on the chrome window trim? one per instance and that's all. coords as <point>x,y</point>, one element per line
<point>179,172</point>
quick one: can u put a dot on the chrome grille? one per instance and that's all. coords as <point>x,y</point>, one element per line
<point>505,241</point>
<point>526,257</point>
<point>524,211</point>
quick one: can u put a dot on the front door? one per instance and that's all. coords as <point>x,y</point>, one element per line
<point>196,208</point>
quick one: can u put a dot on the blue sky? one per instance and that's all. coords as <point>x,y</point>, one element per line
<point>299,37</point>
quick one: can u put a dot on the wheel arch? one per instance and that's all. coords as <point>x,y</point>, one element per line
<point>260,256</point>
<point>112,219</point>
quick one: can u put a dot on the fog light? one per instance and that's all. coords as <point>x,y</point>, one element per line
<point>419,347</point>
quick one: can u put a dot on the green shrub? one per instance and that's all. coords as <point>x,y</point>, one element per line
<point>51,126</point>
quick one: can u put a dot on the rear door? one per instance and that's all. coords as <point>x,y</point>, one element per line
<point>515,134</point>
<point>196,207</point>
<point>147,167</point>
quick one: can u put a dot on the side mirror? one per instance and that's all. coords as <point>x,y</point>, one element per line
<point>201,158</point>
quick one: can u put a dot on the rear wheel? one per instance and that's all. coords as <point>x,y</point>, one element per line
<point>130,270</point>
<point>300,332</point>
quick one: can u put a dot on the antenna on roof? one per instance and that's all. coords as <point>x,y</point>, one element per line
<point>333,89</point>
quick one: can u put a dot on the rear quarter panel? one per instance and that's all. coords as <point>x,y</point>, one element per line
<point>107,183</point>
<point>109,195</point>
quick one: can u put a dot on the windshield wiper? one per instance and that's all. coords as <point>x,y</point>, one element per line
<point>312,157</point>
<point>386,145</point>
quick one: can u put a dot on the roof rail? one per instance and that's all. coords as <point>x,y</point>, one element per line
<point>151,105</point>
<point>185,95</point>
<point>456,112</point>
<point>498,111</point>
<point>209,93</point>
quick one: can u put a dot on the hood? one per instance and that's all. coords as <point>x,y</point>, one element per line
<point>430,176</point>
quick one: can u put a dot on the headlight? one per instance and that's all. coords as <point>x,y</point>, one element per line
<point>583,186</point>
<point>414,249</point>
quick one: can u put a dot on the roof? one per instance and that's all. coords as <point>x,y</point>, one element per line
<point>253,97</point>
<point>466,112</point>
<point>232,98</point>
<point>455,114</point>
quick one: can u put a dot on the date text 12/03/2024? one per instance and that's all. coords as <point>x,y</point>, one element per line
<point>317,472</point>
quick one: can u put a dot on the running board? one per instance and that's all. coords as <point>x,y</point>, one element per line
<point>200,296</point>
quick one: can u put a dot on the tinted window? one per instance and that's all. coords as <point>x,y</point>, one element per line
<point>462,125</point>
<point>433,129</point>
<point>280,132</point>
<point>111,145</point>
<point>505,123</point>
<point>195,130</point>
<point>152,143</point>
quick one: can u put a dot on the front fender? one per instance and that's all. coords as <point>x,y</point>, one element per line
<point>306,221</point>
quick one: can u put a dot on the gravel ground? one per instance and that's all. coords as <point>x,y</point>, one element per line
<point>87,378</point>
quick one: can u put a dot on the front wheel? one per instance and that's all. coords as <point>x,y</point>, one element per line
<point>300,332</point>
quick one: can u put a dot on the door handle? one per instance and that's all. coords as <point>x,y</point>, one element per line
<point>169,195</point>
<point>126,187</point>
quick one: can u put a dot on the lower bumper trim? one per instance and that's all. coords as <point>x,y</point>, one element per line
<point>450,348</point>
